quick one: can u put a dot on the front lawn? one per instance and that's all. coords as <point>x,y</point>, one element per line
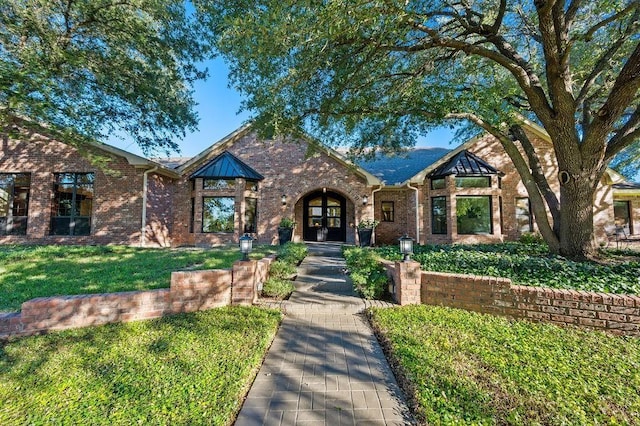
<point>529,264</point>
<point>178,370</point>
<point>469,368</point>
<point>27,272</point>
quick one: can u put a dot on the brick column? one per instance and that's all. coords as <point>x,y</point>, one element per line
<point>408,282</point>
<point>243,288</point>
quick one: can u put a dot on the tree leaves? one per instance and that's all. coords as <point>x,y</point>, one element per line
<point>100,67</point>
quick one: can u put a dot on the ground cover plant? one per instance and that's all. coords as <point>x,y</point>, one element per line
<point>283,271</point>
<point>367,273</point>
<point>27,272</point>
<point>469,368</point>
<point>183,369</point>
<point>529,264</point>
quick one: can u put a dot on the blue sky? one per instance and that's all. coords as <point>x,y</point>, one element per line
<point>218,107</point>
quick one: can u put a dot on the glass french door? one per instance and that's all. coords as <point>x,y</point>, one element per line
<point>324,217</point>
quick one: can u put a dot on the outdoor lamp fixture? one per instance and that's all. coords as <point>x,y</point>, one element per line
<point>365,200</point>
<point>246,245</point>
<point>406,247</point>
<point>283,199</point>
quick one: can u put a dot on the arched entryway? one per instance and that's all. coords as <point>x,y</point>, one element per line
<point>324,216</point>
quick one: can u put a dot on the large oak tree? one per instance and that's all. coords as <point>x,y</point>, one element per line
<point>93,68</point>
<point>377,73</point>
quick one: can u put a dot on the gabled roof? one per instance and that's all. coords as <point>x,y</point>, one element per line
<point>394,169</point>
<point>227,166</point>
<point>233,137</point>
<point>465,163</point>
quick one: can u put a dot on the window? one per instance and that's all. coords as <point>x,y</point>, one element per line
<point>192,218</point>
<point>218,214</point>
<point>473,182</point>
<point>251,186</point>
<point>72,204</point>
<point>218,183</point>
<point>437,183</point>
<point>523,215</point>
<point>622,215</point>
<point>439,215</point>
<point>387,211</point>
<point>250,215</point>
<point>14,203</point>
<point>474,215</point>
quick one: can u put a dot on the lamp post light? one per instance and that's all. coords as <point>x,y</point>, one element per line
<point>406,247</point>
<point>283,199</point>
<point>246,245</point>
<point>365,200</point>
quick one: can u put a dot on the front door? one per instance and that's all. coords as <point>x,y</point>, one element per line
<point>324,217</point>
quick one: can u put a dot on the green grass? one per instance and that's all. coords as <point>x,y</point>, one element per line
<point>27,272</point>
<point>469,368</point>
<point>178,370</point>
<point>530,264</point>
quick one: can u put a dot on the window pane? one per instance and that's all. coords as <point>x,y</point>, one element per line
<point>251,186</point>
<point>473,215</point>
<point>523,215</point>
<point>333,211</point>
<point>388,211</point>
<point>250,215</point>
<point>72,204</point>
<point>218,214</point>
<point>218,183</point>
<point>473,182</point>
<point>439,215</point>
<point>621,214</point>
<point>14,203</point>
<point>333,222</point>
<point>316,202</point>
<point>332,202</point>
<point>437,183</point>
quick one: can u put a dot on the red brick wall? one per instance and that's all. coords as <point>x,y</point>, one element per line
<point>288,170</point>
<point>117,203</point>
<point>615,313</point>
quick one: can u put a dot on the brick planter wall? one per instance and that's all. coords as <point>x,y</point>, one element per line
<point>615,313</point>
<point>189,291</point>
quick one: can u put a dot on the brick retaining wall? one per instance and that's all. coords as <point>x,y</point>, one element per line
<point>189,291</point>
<point>616,313</point>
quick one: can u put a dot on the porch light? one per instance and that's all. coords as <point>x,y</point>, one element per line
<point>283,199</point>
<point>365,200</point>
<point>246,245</point>
<point>406,247</point>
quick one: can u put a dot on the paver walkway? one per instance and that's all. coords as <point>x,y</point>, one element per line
<point>325,366</point>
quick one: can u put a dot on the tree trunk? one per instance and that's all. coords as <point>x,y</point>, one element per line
<point>576,216</point>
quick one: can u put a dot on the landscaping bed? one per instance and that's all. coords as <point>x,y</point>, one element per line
<point>27,272</point>
<point>467,368</point>
<point>183,369</point>
<point>531,265</point>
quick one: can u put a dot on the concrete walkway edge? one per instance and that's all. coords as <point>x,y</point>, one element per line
<point>325,366</point>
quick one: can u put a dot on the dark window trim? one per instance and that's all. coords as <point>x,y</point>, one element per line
<point>22,230</point>
<point>392,211</point>
<point>490,214</point>
<point>446,219</point>
<point>73,217</point>
<point>202,215</point>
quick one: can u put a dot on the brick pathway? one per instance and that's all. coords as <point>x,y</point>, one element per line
<point>325,366</point>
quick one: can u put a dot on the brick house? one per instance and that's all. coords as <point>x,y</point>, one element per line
<point>52,193</point>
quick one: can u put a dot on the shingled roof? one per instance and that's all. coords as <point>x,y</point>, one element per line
<point>227,166</point>
<point>465,163</point>
<point>395,169</point>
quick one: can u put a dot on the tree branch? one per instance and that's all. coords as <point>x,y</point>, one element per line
<point>625,135</point>
<point>537,201</point>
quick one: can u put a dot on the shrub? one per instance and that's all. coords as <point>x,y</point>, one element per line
<point>292,253</point>
<point>367,273</point>
<point>526,264</point>
<point>282,270</point>
<point>531,238</point>
<point>278,288</point>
